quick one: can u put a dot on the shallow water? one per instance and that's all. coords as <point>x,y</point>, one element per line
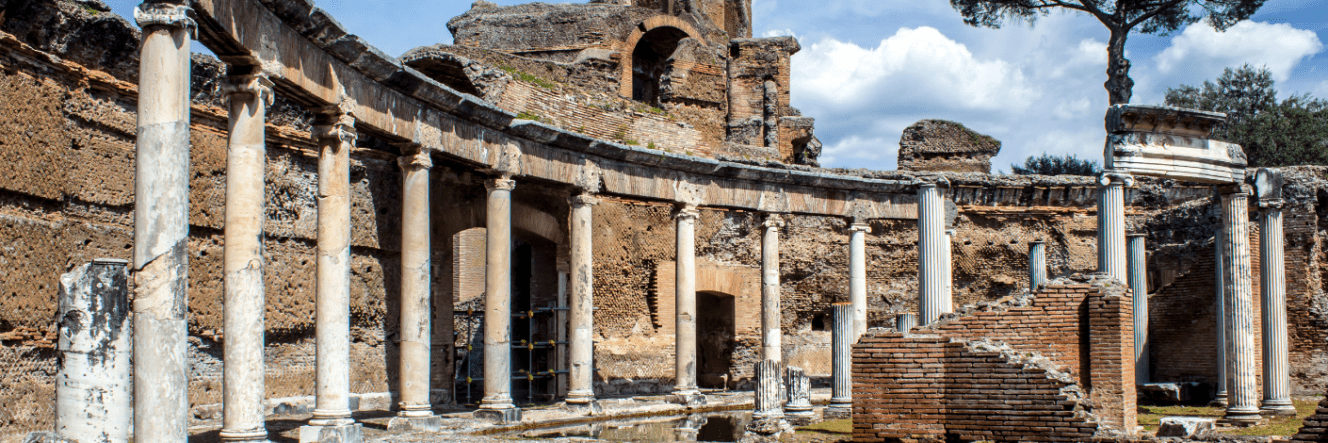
<point>711,427</point>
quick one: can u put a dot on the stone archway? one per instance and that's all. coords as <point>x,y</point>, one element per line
<point>645,53</point>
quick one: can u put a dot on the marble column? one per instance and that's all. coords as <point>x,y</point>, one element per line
<point>497,402</point>
<point>416,408</point>
<point>799,410</point>
<point>768,413</point>
<point>771,333</point>
<point>1272,273</point>
<point>685,391</point>
<point>1243,392</point>
<point>161,224</point>
<point>841,360</point>
<point>905,322</point>
<point>1219,266</point>
<point>1037,265</point>
<point>931,255</point>
<point>1138,272</point>
<point>335,135</point>
<point>95,349</point>
<point>947,297</point>
<point>581,315</point>
<point>243,411</point>
<point>857,276</point>
<point>1111,224</point>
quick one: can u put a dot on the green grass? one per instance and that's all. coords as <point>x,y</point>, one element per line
<point>841,426</point>
<point>529,78</point>
<point>1151,416</point>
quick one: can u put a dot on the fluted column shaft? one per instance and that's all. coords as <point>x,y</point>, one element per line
<point>498,296</point>
<point>931,254</point>
<point>416,275</point>
<point>1219,271</point>
<point>161,225</point>
<point>243,372</point>
<point>947,297</point>
<point>771,333</point>
<point>857,277</point>
<point>1272,273</point>
<point>581,317</point>
<point>1111,225</point>
<point>841,382</point>
<point>1243,393</point>
<point>332,323</point>
<point>1037,265</point>
<point>685,303</point>
<point>1139,286</point>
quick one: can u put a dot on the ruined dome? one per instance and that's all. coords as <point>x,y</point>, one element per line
<point>946,146</point>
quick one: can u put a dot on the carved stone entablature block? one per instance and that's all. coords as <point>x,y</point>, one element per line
<point>1171,143</point>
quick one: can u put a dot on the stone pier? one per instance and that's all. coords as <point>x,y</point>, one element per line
<point>161,224</point>
<point>1138,272</point>
<point>685,391</point>
<point>1242,390</point>
<point>857,276</point>
<point>841,353</point>
<point>335,135</point>
<point>1037,265</point>
<point>243,374</point>
<point>581,388</point>
<point>1111,224</point>
<point>95,348</point>
<point>497,402</point>
<point>771,333</point>
<point>947,293</point>
<point>1272,278</point>
<point>416,409</point>
<point>931,255</point>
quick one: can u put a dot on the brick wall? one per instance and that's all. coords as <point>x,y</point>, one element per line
<point>625,125</point>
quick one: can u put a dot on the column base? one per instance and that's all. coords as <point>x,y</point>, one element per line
<point>769,428</point>
<point>1243,418</point>
<point>500,416</point>
<point>588,408</point>
<point>1219,401</point>
<point>1278,407</point>
<point>430,423</point>
<point>351,433</point>
<point>692,399</point>
<point>799,415</point>
<point>838,411</point>
<point>253,435</point>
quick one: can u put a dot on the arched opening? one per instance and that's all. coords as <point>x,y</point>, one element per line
<point>716,333</point>
<point>534,323</point>
<point>650,62</point>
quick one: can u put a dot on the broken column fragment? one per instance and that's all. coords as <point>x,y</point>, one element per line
<point>799,411</point>
<point>841,357</point>
<point>768,416</point>
<point>1037,265</point>
<point>93,401</point>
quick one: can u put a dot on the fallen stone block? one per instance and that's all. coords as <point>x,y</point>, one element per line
<point>1185,426</point>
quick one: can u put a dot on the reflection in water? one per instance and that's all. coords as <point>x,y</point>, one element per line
<point>713,427</point>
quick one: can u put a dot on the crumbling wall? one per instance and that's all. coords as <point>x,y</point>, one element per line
<point>939,145</point>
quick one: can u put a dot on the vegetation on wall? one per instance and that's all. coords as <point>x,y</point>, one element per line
<point>1047,164</point>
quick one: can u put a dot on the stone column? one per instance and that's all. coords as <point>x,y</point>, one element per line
<point>857,276</point>
<point>1219,266</point>
<point>497,402</point>
<point>799,410</point>
<point>905,322</point>
<point>685,391</point>
<point>1037,265</point>
<point>771,334</point>
<point>335,135</point>
<point>931,255</point>
<point>1272,273</point>
<point>1138,272</point>
<point>947,297</point>
<point>161,225</point>
<point>768,414</point>
<point>95,348</point>
<point>416,408</point>
<point>1243,392</point>
<point>246,156</point>
<point>1111,224</point>
<point>841,353</point>
<point>581,383</point>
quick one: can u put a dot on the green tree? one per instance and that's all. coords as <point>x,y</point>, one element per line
<point>1052,165</point>
<point>1291,132</point>
<point>1121,17</point>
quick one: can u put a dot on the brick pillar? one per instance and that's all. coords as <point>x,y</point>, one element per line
<point>1111,350</point>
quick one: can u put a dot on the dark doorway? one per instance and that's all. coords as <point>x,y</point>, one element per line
<point>715,334</point>
<point>650,61</point>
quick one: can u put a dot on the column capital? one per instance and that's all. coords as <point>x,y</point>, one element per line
<point>583,200</point>
<point>773,221</point>
<point>932,182</point>
<point>166,14</point>
<point>1272,204</point>
<point>687,211</point>
<point>340,128</point>
<point>249,86</point>
<point>1137,234</point>
<point>1235,190</point>
<point>860,227</point>
<point>1113,177</point>
<point>501,183</point>
<point>414,157</point>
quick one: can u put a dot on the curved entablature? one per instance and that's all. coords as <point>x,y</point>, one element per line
<point>1167,142</point>
<point>315,62</point>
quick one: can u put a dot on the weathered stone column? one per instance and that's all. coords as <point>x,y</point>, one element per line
<point>768,414</point>
<point>1111,224</point>
<point>1037,265</point>
<point>1219,266</point>
<point>931,255</point>
<point>416,409</point>
<point>1272,274</point>
<point>161,225</point>
<point>93,398</point>
<point>581,383</point>
<point>1243,392</point>
<point>1139,286</point>
<point>335,134</point>
<point>799,410</point>
<point>497,402</point>
<point>905,322</point>
<point>246,156</point>
<point>685,391</point>
<point>841,353</point>
<point>771,333</point>
<point>857,276</point>
<point>947,297</point>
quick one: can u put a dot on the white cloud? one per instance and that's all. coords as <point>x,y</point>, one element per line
<point>1320,91</point>
<point>1200,52</point>
<point>779,33</point>
<point>875,150</point>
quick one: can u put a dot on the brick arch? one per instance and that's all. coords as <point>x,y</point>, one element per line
<point>629,46</point>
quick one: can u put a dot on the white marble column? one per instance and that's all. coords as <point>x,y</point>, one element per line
<point>161,225</point>
<point>497,402</point>
<point>685,390</point>
<point>95,349</point>
<point>1272,273</point>
<point>1243,391</point>
<point>335,135</point>
<point>931,254</point>
<point>1037,265</point>
<point>243,410</point>
<point>857,276</point>
<point>581,387</point>
<point>841,360</point>
<point>1219,269</point>
<point>416,351</point>
<point>1111,224</point>
<point>1138,272</point>
<point>771,333</point>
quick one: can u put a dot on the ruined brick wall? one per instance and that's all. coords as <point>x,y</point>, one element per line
<point>633,125</point>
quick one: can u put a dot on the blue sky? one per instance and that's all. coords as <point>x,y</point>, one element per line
<point>870,68</point>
